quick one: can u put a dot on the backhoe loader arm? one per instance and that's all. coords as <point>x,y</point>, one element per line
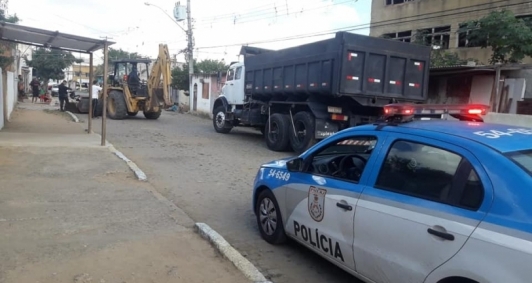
<point>158,86</point>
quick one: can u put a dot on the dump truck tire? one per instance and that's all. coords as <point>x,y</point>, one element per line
<point>116,106</point>
<point>152,115</point>
<point>304,138</point>
<point>278,138</point>
<point>221,125</point>
<point>132,114</point>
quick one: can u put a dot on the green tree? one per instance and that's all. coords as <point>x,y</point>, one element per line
<point>210,66</point>
<point>180,78</point>
<point>116,54</point>
<point>509,38</point>
<point>6,61</point>
<point>50,63</point>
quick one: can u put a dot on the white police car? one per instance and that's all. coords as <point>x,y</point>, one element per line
<point>409,201</point>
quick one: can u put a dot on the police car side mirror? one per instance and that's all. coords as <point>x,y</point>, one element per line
<point>294,165</point>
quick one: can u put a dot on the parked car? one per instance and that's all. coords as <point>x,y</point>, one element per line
<point>54,89</point>
<point>409,201</point>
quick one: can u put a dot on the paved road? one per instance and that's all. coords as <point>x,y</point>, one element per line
<point>209,175</point>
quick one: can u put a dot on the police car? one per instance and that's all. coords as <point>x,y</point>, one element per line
<point>407,200</point>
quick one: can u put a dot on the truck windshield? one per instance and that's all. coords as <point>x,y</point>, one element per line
<point>522,158</point>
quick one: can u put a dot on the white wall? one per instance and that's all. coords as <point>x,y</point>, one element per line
<point>11,94</point>
<point>203,105</point>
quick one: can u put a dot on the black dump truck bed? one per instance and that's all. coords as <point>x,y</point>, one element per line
<point>346,65</point>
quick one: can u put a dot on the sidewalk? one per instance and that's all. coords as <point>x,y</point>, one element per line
<point>71,211</point>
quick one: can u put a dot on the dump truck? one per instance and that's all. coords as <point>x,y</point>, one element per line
<point>300,95</point>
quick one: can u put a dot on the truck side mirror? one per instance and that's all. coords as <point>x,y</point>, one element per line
<point>295,165</point>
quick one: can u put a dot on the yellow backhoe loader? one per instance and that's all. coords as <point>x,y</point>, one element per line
<point>128,93</point>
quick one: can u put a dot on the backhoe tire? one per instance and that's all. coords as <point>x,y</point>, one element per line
<point>305,126</point>
<point>132,114</point>
<point>152,115</point>
<point>99,108</point>
<point>116,106</point>
<point>221,125</point>
<point>278,138</point>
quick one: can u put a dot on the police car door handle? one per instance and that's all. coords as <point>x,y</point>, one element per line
<point>443,235</point>
<point>344,206</point>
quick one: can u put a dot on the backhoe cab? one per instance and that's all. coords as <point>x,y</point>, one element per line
<point>128,93</point>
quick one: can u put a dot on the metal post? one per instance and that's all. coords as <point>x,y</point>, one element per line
<point>497,86</point>
<point>91,78</point>
<point>190,49</point>
<point>104,96</point>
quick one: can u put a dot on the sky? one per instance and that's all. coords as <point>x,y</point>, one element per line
<point>220,28</point>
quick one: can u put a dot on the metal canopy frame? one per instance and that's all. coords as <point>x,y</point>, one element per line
<point>68,42</point>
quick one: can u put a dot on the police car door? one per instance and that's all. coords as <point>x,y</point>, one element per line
<point>424,204</point>
<point>320,202</point>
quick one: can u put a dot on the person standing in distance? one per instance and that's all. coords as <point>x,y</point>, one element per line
<point>95,93</point>
<point>35,85</point>
<point>63,95</point>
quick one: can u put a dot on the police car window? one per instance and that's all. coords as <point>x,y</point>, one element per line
<point>350,145</point>
<point>523,159</point>
<point>418,170</point>
<point>473,192</point>
<point>344,159</point>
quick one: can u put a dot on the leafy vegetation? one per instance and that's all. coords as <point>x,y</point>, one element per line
<point>50,63</point>
<point>509,38</point>
<point>6,61</point>
<point>180,78</point>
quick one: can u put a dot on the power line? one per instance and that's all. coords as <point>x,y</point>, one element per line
<point>374,24</point>
<point>277,14</point>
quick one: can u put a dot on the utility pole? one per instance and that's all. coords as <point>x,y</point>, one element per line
<point>190,49</point>
<point>104,95</point>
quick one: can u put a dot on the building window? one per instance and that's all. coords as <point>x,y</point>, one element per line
<point>404,36</point>
<point>527,19</point>
<point>205,91</point>
<point>437,36</point>
<point>393,2</point>
<point>464,37</point>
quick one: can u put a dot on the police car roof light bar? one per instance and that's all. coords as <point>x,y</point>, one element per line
<point>408,109</point>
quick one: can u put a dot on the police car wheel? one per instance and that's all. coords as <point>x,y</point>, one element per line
<point>269,218</point>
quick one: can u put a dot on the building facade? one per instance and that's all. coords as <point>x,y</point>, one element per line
<point>439,21</point>
<point>206,89</point>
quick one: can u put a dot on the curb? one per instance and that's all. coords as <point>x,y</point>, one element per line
<point>74,117</point>
<point>230,253</point>
<point>141,176</point>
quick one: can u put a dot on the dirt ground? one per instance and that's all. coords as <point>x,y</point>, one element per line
<point>210,176</point>
<point>77,214</point>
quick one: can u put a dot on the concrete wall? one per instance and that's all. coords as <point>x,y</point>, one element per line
<point>421,14</point>
<point>509,119</point>
<point>2,97</point>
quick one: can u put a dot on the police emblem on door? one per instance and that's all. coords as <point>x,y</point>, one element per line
<point>316,203</point>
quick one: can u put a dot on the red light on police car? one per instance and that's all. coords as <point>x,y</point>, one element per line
<point>476,111</point>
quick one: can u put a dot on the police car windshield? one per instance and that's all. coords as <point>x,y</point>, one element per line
<point>522,158</point>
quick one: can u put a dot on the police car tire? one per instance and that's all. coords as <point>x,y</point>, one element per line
<point>279,236</point>
<point>283,140</point>
<point>307,119</point>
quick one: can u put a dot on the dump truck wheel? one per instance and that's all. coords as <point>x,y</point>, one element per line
<point>277,138</point>
<point>152,115</point>
<point>116,106</point>
<point>221,125</point>
<point>303,139</point>
<point>132,114</point>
